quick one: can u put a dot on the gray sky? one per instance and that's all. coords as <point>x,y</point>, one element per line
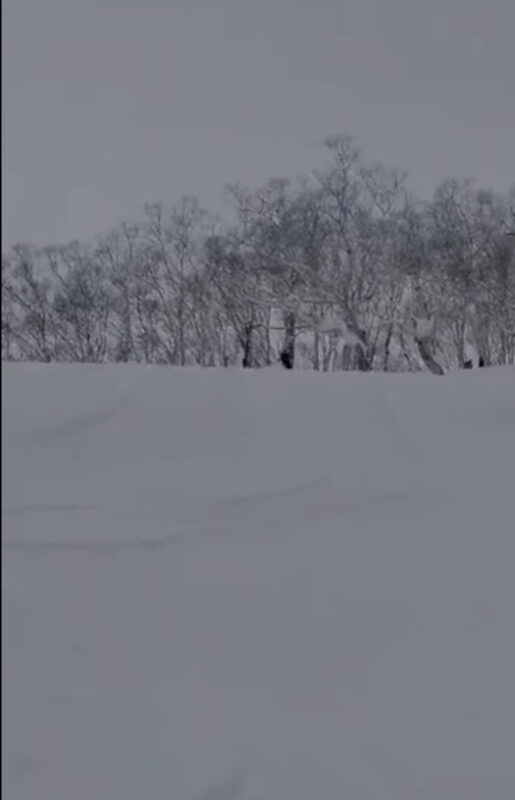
<point>108,104</point>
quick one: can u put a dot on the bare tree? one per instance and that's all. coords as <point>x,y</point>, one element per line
<point>27,315</point>
<point>81,303</point>
<point>342,270</point>
<point>239,285</point>
<point>119,253</point>
<point>174,245</point>
<point>361,203</point>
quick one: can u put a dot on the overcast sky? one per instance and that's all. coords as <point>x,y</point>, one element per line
<point>108,104</point>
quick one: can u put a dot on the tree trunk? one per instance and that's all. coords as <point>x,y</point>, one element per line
<point>247,348</point>
<point>316,352</point>
<point>289,337</point>
<point>427,357</point>
<point>361,359</point>
<point>386,355</point>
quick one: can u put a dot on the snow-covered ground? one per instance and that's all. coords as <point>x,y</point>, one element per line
<point>239,585</point>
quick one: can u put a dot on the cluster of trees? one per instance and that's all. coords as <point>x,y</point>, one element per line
<point>342,270</point>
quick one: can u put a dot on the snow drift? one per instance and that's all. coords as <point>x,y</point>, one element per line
<point>237,585</point>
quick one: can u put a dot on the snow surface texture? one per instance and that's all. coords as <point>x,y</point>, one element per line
<point>257,585</point>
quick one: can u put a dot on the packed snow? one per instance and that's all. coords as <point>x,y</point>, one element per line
<point>257,585</point>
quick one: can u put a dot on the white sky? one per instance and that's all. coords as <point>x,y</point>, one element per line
<point>108,104</point>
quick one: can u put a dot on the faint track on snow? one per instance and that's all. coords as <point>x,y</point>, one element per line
<point>232,528</point>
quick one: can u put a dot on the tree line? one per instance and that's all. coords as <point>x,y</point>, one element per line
<point>344,269</point>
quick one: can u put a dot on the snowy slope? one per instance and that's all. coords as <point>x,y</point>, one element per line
<point>261,585</point>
